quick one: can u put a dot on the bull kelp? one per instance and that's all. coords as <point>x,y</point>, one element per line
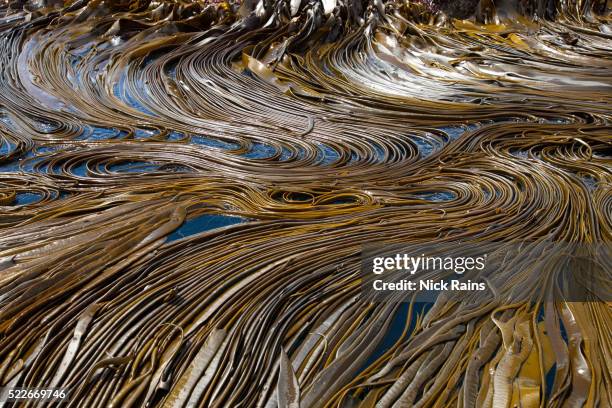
<point>186,189</point>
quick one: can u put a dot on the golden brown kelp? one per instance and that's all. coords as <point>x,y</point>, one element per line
<point>325,126</point>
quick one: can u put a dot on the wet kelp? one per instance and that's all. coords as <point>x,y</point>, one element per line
<point>314,128</point>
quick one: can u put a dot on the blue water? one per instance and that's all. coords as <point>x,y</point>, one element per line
<point>436,196</point>
<point>6,148</point>
<point>174,136</point>
<point>550,380</point>
<point>121,91</point>
<point>144,133</point>
<point>203,223</point>
<point>171,71</point>
<point>100,133</point>
<point>14,166</point>
<point>380,152</point>
<point>46,127</point>
<point>48,149</point>
<point>425,148</point>
<point>455,132</point>
<point>396,328</point>
<point>540,316</point>
<point>590,182</point>
<point>210,142</point>
<point>326,155</point>
<point>521,154</point>
<point>260,151</point>
<point>343,200</point>
<point>563,331</point>
<point>79,170</point>
<point>27,198</point>
<point>7,121</point>
<point>550,375</point>
<point>286,154</point>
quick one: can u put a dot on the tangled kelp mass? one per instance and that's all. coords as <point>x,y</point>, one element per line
<point>303,130</point>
